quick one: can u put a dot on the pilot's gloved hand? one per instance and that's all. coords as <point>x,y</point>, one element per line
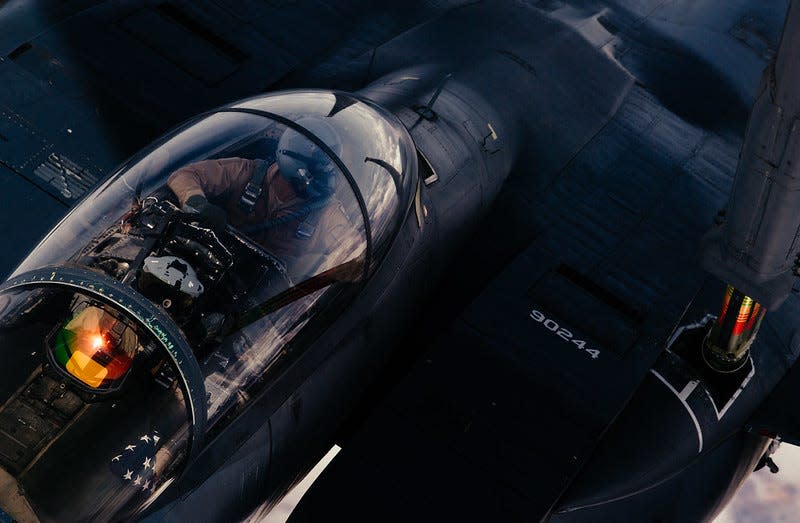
<point>212,215</point>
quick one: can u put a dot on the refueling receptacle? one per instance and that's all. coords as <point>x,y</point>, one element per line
<point>727,344</point>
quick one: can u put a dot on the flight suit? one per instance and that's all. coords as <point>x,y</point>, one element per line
<point>306,246</point>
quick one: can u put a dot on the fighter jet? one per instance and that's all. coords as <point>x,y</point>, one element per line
<point>211,315</point>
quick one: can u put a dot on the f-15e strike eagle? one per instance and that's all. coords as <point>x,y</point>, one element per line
<point>523,260</point>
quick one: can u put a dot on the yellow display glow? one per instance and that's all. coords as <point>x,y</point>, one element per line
<point>87,370</point>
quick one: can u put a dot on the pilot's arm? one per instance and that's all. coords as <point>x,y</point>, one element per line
<point>195,183</point>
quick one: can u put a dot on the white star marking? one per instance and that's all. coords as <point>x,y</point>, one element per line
<point>138,480</point>
<point>146,463</point>
<point>146,485</point>
<point>156,438</point>
<point>116,458</point>
<point>130,447</point>
<point>145,438</point>
<point>128,475</point>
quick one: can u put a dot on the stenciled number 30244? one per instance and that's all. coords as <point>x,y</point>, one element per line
<point>563,333</point>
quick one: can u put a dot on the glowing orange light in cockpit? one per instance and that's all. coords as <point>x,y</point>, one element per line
<point>97,341</point>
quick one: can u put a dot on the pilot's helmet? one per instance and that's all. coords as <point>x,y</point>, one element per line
<point>303,164</point>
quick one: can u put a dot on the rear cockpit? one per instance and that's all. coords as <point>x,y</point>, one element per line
<point>235,231</point>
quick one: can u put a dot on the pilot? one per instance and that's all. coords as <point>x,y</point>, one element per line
<point>289,206</point>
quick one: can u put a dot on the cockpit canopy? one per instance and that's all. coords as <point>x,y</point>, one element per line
<point>231,234</point>
<point>370,153</point>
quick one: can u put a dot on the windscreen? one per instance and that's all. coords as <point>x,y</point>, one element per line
<point>93,415</point>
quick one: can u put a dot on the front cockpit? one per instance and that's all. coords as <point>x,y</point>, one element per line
<point>98,411</point>
<point>151,315</point>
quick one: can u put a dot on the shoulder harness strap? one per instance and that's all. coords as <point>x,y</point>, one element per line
<point>254,187</point>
